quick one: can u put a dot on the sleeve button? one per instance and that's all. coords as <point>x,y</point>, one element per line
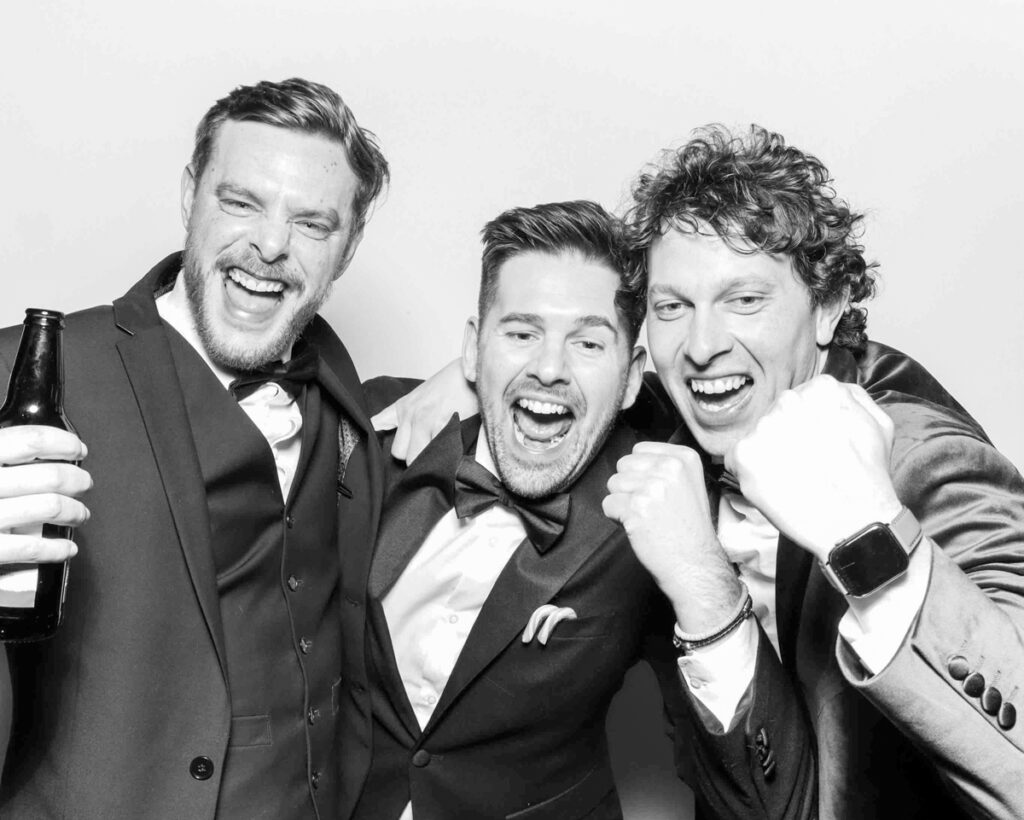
<point>974,685</point>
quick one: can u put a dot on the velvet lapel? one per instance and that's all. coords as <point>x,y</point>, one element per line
<point>793,564</point>
<point>530,579</point>
<point>148,363</point>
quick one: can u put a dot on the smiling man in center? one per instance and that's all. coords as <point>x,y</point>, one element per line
<point>504,608</point>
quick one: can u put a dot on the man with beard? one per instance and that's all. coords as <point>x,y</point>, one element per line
<point>223,555</point>
<point>504,608</point>
<point>864,519</point>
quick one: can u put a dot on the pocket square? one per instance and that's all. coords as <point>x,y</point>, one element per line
<point>544,620</point>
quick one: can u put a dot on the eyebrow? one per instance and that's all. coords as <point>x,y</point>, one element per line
<point>329,215</point>
<point>590,320</point>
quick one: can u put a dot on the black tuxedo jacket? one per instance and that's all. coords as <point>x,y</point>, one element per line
<point>519,730</point>
<point>110,713</point>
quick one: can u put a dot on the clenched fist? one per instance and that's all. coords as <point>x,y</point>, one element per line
<point>659,497</point>
<point>817,464</point>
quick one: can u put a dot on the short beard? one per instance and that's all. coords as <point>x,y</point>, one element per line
<point>542,480</point>
<point>250,357</point>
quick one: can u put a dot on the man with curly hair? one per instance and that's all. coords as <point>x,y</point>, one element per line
<point>850,604</point>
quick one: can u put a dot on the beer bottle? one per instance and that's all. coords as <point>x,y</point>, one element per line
<point>32,595</point>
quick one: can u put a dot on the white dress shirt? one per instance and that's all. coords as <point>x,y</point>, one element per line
<point>433,605</point>
<point>271,408</point>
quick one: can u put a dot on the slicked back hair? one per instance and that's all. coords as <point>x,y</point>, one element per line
<point>760,196</point>
<point>581,227</point>
<point>300,105</point>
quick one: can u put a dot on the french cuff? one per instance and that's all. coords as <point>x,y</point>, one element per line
<point>719,674</point>
<point>876,625</point>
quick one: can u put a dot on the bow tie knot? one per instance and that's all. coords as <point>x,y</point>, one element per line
<point>292,375</point>
<point>477,490</point>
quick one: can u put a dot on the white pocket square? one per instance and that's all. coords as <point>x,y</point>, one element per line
<point>544,620</point>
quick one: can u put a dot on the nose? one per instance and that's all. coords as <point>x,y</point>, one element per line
<point>272,239</point>
<point>706,337</point>
<point>549,364</point>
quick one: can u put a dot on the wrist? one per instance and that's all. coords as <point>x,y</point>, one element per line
<point>687,642</point>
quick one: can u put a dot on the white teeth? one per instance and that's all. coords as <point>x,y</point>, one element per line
<point>546,408</point>
<point>250,282</point>
<point>714,386</point>
<point>537,446</point>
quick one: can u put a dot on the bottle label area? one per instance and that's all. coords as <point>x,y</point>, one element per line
<point>18,582</point>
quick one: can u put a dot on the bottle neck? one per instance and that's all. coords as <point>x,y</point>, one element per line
<point>37,379</point>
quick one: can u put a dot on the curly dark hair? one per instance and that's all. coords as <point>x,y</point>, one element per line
<point>561,227</point>
<point>760,196</point>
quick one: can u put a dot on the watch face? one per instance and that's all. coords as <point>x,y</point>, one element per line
<point>869,560</point>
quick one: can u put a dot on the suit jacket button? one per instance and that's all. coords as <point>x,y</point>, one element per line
<point>421,758</point>
<point>974,685</point>
<point>201,768</point>
<point>1007,716</point>
<point>991,700</point>
<point>958,667</point>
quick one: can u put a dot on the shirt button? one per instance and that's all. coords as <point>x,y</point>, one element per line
<point>453,619</point>
<point>695,683</point>
<point>306,645</point>
<point>313,715</point>
<point>201,768</point>
<point>431,699</point>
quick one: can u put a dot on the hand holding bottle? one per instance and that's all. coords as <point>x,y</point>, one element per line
<point>37,487</point>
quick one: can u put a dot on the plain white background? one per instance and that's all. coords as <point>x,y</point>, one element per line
<point>915,108</point>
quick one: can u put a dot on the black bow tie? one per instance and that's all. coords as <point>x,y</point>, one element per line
<point>292,375</point>
<point>715,473</point>
<point>476,490</point>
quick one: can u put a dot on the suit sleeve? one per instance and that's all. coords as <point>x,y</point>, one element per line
<point>761,766</point>
<point>956,684</point>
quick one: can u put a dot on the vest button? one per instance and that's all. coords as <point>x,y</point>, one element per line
<point>312,715</point>
<point>201,768</point>
<point>315,780</point>
<point>289,520</point>
<point>293,583</point>
<point>306,645</point>
<point>421,758</point>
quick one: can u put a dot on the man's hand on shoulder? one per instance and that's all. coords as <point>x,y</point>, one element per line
<point>37,488</point>
<point>421,414</point>
<point>817,464</point>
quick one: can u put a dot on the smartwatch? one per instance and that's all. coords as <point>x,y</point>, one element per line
<point>873,557</point>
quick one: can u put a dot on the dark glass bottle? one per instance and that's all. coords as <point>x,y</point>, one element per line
<point>32,595</point>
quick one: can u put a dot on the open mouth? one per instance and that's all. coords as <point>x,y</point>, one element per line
<point>717,395</point>
<point>541,425</point>
<point>255,285</point>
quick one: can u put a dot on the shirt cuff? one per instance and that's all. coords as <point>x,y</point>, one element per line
<point>719,674</point>
<point>876,625</point>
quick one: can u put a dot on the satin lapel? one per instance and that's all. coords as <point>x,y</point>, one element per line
<point>792,567</point>
<point>530,579</point>
<point>149,366</point>
<point>415,505</point>
<point>332,384</point>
